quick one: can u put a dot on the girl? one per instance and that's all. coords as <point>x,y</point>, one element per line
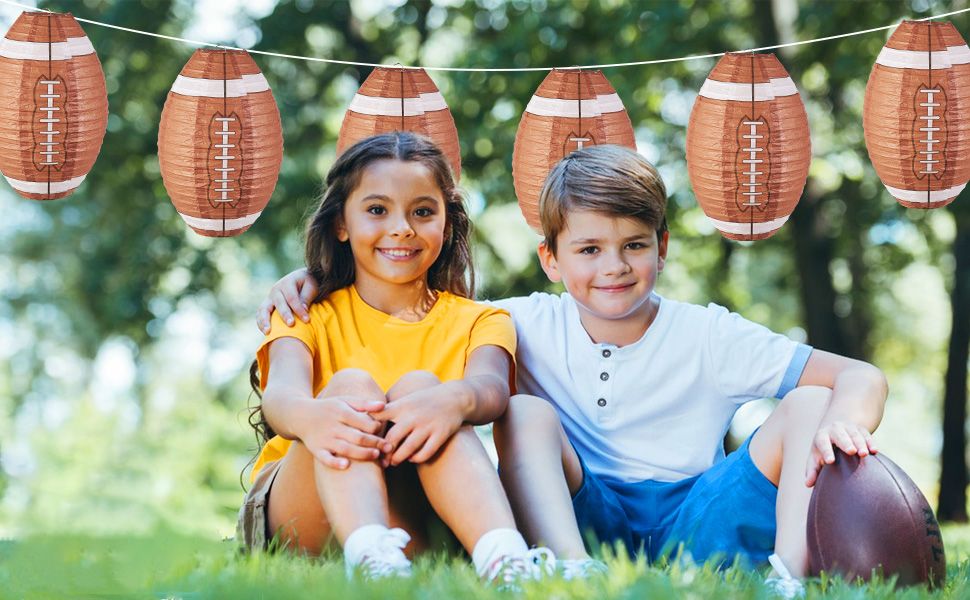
<point>368,409</point>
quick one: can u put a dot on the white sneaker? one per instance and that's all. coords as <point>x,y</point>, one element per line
<point>508,571</point>
<point>581,568</point>
<point>784,585</point>
<point>385,558</point>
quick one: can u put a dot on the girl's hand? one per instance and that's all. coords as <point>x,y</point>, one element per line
<point>341,429</point>
<point>848,437</point>
<point>423,421</point>
<point>292,294</point>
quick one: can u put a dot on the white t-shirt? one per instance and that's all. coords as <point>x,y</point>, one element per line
<point>658,408</point>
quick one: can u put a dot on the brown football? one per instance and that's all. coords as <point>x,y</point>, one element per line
<point>867,514</point>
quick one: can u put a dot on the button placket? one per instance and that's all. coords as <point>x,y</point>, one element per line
<point>604,398</point>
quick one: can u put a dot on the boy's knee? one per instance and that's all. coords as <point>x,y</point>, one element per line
<point>530,411</point>
<point>352,382</point>
<point>805,403</point>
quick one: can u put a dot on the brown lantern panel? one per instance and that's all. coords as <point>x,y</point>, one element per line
<point>401,99</point>
<point>916,114</point>
<point>53,105</point>
<point>748,146</point>
<point>220,142</point>
<point>571,110</point>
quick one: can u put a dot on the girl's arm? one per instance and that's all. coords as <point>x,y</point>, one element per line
<point>859,392</point>
<point>426,419</point>
<point>334,429</point>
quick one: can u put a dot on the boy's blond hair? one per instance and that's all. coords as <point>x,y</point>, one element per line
<point>607,179</point>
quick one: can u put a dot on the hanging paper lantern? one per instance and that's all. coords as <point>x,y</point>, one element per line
<point>748,146</point>
<point>401,99</point>
<point>571,110</point>
<point>916,114</point>
<point>220,142</point>
<point>53,105</point>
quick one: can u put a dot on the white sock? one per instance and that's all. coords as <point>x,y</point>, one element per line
<point>361,539</point>
<point>494,545</point>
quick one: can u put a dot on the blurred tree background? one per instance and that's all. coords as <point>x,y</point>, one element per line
<point>126,337</point>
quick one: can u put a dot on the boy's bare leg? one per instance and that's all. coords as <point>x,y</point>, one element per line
<point>780,450</point>
<point>309,502</point>
<point>540,471</point>
<point>460,480</point>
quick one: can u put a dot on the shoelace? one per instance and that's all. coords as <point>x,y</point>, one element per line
<point>581,568</point>
<point>784,585</point>
<point>386,558</point>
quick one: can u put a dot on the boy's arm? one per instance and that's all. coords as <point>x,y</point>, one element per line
<point>426,419</point>
<point>859,392</point>
<point>291,294</point>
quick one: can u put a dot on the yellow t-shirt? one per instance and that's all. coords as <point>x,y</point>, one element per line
<point>346,332</point>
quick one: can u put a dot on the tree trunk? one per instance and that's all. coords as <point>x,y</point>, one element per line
<point>953,473</point>
<point>813,248</point>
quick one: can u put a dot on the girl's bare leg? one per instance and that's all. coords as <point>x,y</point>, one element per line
<point>309,502</point>
<point>460,480</point>
<point>780,450</point>
<point>541,472</point>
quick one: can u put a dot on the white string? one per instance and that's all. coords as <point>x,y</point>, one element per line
<point>492,70</point>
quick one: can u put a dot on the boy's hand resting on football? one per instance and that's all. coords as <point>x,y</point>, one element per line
<point>848,437</point>
<point>292,294</point>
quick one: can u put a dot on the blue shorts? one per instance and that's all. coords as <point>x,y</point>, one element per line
<point>727,511</point>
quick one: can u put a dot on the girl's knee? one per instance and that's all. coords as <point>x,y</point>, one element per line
<point>412,382</point>
<point>352,382</point>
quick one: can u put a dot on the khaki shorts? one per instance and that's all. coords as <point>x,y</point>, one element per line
<point>252,527</point>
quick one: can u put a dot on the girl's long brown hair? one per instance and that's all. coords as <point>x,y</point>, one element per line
<point>330,262</point>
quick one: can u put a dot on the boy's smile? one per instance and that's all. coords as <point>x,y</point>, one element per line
<point>609,265</point>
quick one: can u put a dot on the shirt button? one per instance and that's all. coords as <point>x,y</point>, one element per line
<point>601,402</point>
<point>606,353</point>
<point>604,376</point>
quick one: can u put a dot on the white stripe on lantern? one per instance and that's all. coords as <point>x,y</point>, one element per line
<point>592,107</point>
<point>391,107</point>
<point>921,196</point>
<point>220,224</point>
<point>726,90</point>
<point>746,228</point>
<point>40,187</point>
<point>66,50</point>
<point>913,59</point>
<point>959,55</point>
<point>215,88</point>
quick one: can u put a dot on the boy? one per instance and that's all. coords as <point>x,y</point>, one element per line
<point>625,396</point>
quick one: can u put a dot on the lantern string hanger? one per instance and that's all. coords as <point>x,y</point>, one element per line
<point>489,70</point>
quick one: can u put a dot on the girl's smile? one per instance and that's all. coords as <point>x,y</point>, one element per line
<point>394,221</point>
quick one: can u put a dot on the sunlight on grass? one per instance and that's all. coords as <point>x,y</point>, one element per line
<point>169,565</point>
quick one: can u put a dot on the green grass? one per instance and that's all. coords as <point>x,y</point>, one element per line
<point>168,565</point>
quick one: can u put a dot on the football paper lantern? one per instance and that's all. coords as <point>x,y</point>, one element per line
<point>916,114</point>
<point>748,146</point>
<point>220,142</point>
<point>401,99</point>
<point>53,105</point>
<point>571,110</point>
